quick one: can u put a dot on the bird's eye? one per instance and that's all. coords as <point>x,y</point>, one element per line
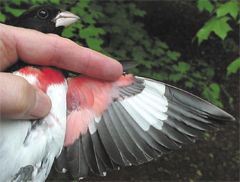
<point>43,14</point>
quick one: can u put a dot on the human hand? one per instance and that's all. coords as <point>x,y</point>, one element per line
<point>20,100</point>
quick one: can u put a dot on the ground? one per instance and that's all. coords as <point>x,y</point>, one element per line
<point>217,156</point>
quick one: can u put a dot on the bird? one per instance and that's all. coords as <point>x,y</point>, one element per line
<point>95,126</point>
<point>44,18</point>
<point>28,148</point>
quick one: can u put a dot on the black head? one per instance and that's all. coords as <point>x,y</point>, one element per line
<point>45,18</point>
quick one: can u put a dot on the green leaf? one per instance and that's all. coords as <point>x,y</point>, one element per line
<point>17,2</point>
<point>197,75</point>
<point>209,71</point>
<point>189,84</point>
<point>203,34</point>
<point>94,43</point>
<point>212,93</point>
<point>2,17</point>
<point>68,32</point>
<point>55,1</point>
<point>183,67</point>
<point>205,5</point>
<point>91,32</point>
<point>162,45</point>
<point>160,76</point>
<point>83,4</point>
<point>217,25</point>
<point>139,12</point>
<point>14,11</point>
<point>175,77</point>
<point>231,7</point>
<point>233,67</point>
<point>173,55</point>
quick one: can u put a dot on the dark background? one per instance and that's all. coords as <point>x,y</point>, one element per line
<point>216,157</point>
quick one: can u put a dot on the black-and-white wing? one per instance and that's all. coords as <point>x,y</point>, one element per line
<point>147,119</point>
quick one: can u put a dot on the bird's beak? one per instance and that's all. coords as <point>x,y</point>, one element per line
<point>65,18</point>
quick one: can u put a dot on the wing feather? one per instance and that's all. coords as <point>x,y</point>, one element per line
<point>139,120</point>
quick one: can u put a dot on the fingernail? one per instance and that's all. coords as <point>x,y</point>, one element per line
<point>114,70</point>
<point>42,105</point>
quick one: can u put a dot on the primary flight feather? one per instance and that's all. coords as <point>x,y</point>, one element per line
<point>97,125</point>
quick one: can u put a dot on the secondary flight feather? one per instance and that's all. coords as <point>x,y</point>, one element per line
<point>95,125</point>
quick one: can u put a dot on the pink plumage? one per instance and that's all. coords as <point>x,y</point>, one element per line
<point>44,75</point>
<point>88,98</point>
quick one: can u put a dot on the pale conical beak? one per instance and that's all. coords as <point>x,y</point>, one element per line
<point>65,18</point>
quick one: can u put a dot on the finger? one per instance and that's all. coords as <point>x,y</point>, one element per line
<point>38,48</point>
<point>8,52</point>
<point>20,100</point>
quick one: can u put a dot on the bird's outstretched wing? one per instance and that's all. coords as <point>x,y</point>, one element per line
<point>129,122</point>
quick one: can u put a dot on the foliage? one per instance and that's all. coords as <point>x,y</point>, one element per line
<point>223,15</point>
<point>219,26</point>
<point>219,23</point>
<point>121,34</point>
<point>205,5</point>
<point>233,67</point>
<point>213,93</point>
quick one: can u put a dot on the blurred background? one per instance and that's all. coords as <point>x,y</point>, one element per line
<point>193,45</point>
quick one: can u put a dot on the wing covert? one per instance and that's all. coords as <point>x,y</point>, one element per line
<point>138,120</point>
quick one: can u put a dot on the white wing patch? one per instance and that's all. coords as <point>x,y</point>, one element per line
<point>92,126</point>
<point>148,107</point>
<point>149,119</point>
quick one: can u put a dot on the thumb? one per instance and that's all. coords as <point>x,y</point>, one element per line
<point>20,100</point>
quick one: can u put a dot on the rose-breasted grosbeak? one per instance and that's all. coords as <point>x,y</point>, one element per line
<point>97,125</point>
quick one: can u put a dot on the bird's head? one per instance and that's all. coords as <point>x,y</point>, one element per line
<point>45,18</point>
